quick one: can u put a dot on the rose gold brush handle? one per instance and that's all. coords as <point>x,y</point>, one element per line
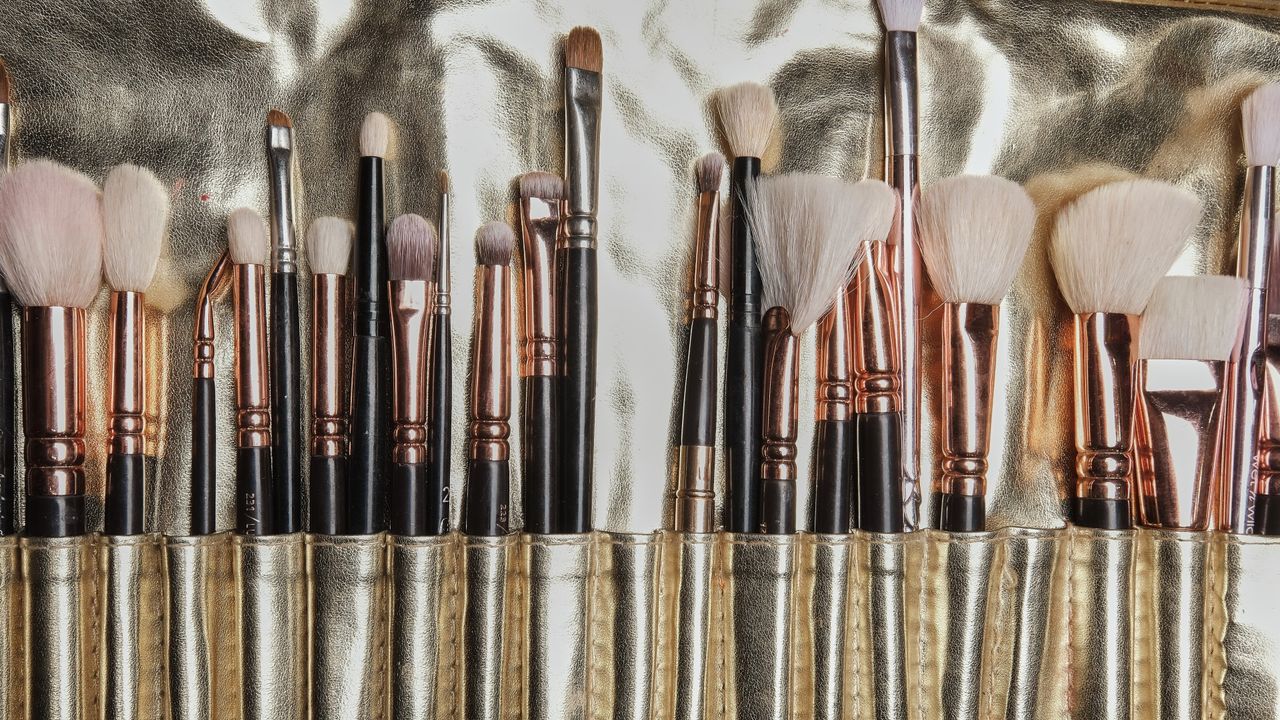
<point>878,395</point>
<point>779,428</point>
<point>487,497</point>
<point>410,339</point>
<point>835,455</point>
<point>122,506</point>
<point>253,403</point>
<point>329,390</point>
<point>969,332</point>
<point>1104,392</point>
<point>1266,519</point>
<point>53,416</point>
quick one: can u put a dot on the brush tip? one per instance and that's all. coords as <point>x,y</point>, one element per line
<point>375,135</point>
<point>442,179</point>
<point>494,244</point>
<point>135,215</point>
<point>707,172</point>
<point>329,241</point>
<point>4,82</point>
<point>583,50</point>
<point>543,185</point>
<point>748,115</point>
<point>277,118</point>
<point>411,248</point>
<point>901,15</point>
<point>1193,318</point>
<point>247,238</point>
<point>1260,115</point>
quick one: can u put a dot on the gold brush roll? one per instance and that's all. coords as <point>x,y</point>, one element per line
<point>424,626</point>
<point>133,627</point>
<point>490,628</point>
<point>271,578</point>
<point>760,605</point>
<point>62,630</point>
<point>348,619</point>
<point>13,641</point>
<point>203,646</point>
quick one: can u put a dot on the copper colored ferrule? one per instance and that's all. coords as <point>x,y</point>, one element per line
<point>695,494</point>
<point>1104,391</point>
<point>127,362</point>
<point>53,399</point>
<point>780,427</point>
<point>539,230</point>
<point>704,293</point>
<point>1268,481</point>
<point>877,370</point>
<point>205,332</point>
<point>253,391</point>
<point>328,365</point>
<point>491,365</point>
<point>969,332</point>
<point>410,338</point>
<point>835,361</point>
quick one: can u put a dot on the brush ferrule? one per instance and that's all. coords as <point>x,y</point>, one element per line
<point>284,249</point>
<point>969,333</point>
<point>127,363</point>
<point>582,97</point>
<point>205,334</point>
<point>491,365</point>
<point>696,496</point>
<point>253,390</point>
<point>1253,261</point>
<point>901,94</point>
<point>908,276</point>
<point>328,362</point>
<point>410,337</point>
<point>539,230</point>
<point>704,294</point>
<point>877,366</point>
<point>1268,481</point>
<point>780,429</point>
<point>444,282</point>
<point>53,399</point>
<point>835,361</point>
<point>1104,390</point>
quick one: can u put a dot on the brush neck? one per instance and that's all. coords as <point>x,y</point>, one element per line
<point>410,338</point>
<point>744,280</point>
<point>328,378</point>
<point>53,408</point>
<point>969,332</point>
<point>370,271</point>
<point>127,363</point>
<point>253,390</point>
<point>901,94</point>
<point>582,96</point>
<point>835,361</point>
<point>1104,391</point>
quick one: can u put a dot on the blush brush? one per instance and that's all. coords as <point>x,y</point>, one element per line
<point>329,253</point>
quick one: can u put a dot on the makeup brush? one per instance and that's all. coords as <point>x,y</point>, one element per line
<point>440,395</point>
<point>135,214</point>
<point>487,496</point>
<point>974,233</point>
<point>583,90</point>
<point>834,496</point>
<point>695,471</point>
<point>329,253</point>
<point>808,230</point>
<point>1188,330</point>
<point>1266,520</point>
<point>8,377</point>
<point>204,406</point>
<point>540,214</point>
<point>1110,247</point>
<point>371,364</point>
<point>748,116</point>
<point>411,250</point>
<point>250,251</point>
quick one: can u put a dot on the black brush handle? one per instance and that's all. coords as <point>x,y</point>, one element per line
<point>1266,514</point>
<point>744,365</point>
<point>577,401</point>
<point>880,472</point>
<point>538,445</point>
<point>407,511</point>
<point>486,507</point>
<point>8,420</point>
<point>122,508</point>
<point>204,457</point>
<point>962,513</point>
<point>440,426</point>
<point>777,507</point>
<point>833,486</point>
<point>1102,514</point>
<point>370,458</point>
<point>286,412</point>
<point>253,491</point>
<point>328,495</point>
<point>698,407</point>
<point>55,516</point>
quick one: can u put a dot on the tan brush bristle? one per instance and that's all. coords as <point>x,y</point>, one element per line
<point>329,241</point>
<point>4,82</point>
<point>279,119</point>
<point>442,179</point>
<point>375,135</point>
<point>707,172</point>
<point>748,116</point>
<point>582,49</point>
<point>1193,318</point>
<point>248,241</point>
<point>135,213</point>
<point>1260,114</point>
<point>411,248</point>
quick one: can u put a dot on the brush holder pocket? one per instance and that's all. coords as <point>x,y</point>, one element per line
<point>558,611</point>
<point>204,657</point>
<point>692,631</point>
<point>628,613</point>
<point>271,579</point>
<point>759,575</point>
<point>131,569</point>
<point>12,631</point>
<point>883,568</point>
<point>425,589</point>
<point>62,611</point>
<point>490,617</point>
<point>348,626</point>
<point>1100,617</point>
<point>826,581</point>
<point>1245,632</point>
<point>1171,587</point>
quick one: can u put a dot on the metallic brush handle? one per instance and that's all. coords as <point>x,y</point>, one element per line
<point>778,474</point>
<point>1104,392</point>
<point>1267,499</point>
<point>329,387</point>
<point>969,332</point>
<point>204,414</point>
<point>369,463</point>
<point>744,365</point>
<point>834,460</point>
<point>53,415</point>
<point>410,338</point>
<point>8,420</point>
<point>122,513</point>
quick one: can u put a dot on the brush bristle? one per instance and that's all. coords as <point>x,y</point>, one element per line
<point>1113,244</point>
<point>974,233</point>
<point>375,135</point>
<point>494,243</point>
<point>1193,318</point>
<point>51,235</point>
<point>279,119</point>
<point>582,49</point>
<point>329,245</point>
<point>542,185</point>
<point>901,15</point>
<point>411,248</point>
<point>168,289</point>
<point>748,115</point>
<point>808,231</point>
<point>708,171</point>
<point>442,179</point>
<point>247,239</point>
<point>135,214</point>
<point>1260,113</point>
<point>4,82</point>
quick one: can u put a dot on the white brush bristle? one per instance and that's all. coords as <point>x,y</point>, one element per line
<point>708,171</point>
<point>494,244</point>
<point>135,213</point>
<point>1260,113</point>
<point>1113,244</point>
<point>749,115</point>
<point>168,289</point>
<point>974,232</point>
<point>329,245</point>
<point>411,248</point>
<point>51,235</point>
<point>247,239</point>
<point>901,15</point>
<point>375,135</point>
<point>542,185</point>
<point>808,231</point>
<point>1193,318</point>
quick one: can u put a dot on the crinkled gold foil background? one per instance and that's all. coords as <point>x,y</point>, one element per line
<point>1031,90</point>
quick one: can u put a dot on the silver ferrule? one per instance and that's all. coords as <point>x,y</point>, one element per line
<point>1253,261</point>
<point>901,96</point>
<point>444,298</point>
<point>284,249</point>
<point>582,95</point>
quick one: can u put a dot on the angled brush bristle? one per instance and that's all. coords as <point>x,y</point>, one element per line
<point>135,214</point>
<point>494,243</point>
<point>708,171</point>
<point>901,15</point>
<point>582,49</point>
<point>279,119</point>
<point>375,135</point>
<point>974,232</point>
<point>4,82</point>
<point>1113,244</point>
<point>329,242</point>
<point>411,248</point>
<point>749,116</point>
<point>808,231</point>
<point>1261,116</point>
<point>247,239</point>
<point>1193,318</point>
<point>542,185</point>
<point>51,235</point>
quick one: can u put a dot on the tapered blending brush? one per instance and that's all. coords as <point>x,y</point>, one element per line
<point>1110,247</point>
<point>487,495</point>
<point>135,213</point>
<point>51,238</point>
<point>411,251</point>
<point>807,231</point>
<point>1188,330</point>
<point>250,251</point>
<point>329,253</point>
<point>695,469</point>
<point>583,91</point>
<point>204,401</point>
<point>748,115</point>
<point>371,350</point>
<point>440,395</point>
<point>974,233</point>
<point>8,383</point>
<point>540,215</point>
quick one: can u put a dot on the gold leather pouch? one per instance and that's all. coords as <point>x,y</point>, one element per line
<point>628,613</point>
<point>12,632</point>
<point>424,620</point>
<point>557,660</point>
<point>204,658</point>
<point>880,638</point>
<point>758,576</point>
<point>692,646</point>
<point>1100,627</point>
<point>1245,631</point>
<point>348,626</point>
<point>826,636</point>
<point>62,600</point>
<point>1170,589</point>
<point>490,628</point>
<point>133,627</point>
<point>271,578</point>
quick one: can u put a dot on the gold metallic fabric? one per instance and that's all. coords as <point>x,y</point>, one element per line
<point>62,598</point>
<point>759,574</point>
<point>204,654</point>
<point>133,627</point>
<point>1171,584</point>
<point>271,579</point>
<point>557,661</point>
<point>826,579</point>
<point>885,565</point>
<point>490,628</point>
<point>12,633</point>
<point>1100,617</point>
<point>1247,622</point>
<point>688,570</point>
<point>424,624</point>
<point>628,613</point>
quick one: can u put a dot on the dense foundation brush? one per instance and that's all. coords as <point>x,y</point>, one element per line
<point>329,254</point>
<point>440,367</point>
<point>8,375</point>
<point>204,400</point>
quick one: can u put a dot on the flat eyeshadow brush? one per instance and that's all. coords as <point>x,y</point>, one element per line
<point>135,214</point>
<point>487,494</point>
<point>583,91</point>
<point>1109,249</point>
<point>8,372</point>
<point>329,253</point>
<point>204,401</point>
<point>440,394</point>
<point>540,201</point>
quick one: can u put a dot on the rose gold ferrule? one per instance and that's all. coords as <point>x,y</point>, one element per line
<point>328,365</point>
<point>969,332</point>
<point>877,370</point>
<point>1268,481</point>
<point>704,292</point>
<point>835,361</point>
<point>253,392</point>
<point>410,338</point>
<point>1104,390</point>
<point>695,493</point>
<point>53,399</point>
<point>780,427</point>
<point>205,332</point>
<point>126,358</point>
<point>539,230</point>
<point>491,365</point>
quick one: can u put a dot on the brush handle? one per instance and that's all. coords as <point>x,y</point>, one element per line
<point>777,507</point>
<point>50,516</point>
<point>744,364</point>
<point>1266,514</point>
<point>577,401</point>
<point>407,511</point>
<point>1102,513</point>
<point>286,395</point>
<point>328,495</point>
<point>879,438</point>
<point>961,513</point>
<point>487,498</point>
<point>833,487</point>
<point>204,457</point>
<point>539,397</point>
<point>695,484</point>
<point>8,420</point>
<point>371,361</point>
<point>122,508</point>
<point>253,491</point>
<point>440,426</point>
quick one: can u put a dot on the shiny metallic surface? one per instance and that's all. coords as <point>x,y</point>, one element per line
<point>491,369</point>
<point>133,628</point>
<point>1268,480</point>
<point>780,424</point>
<point>53,412</point>
<point>348,618</point>
<point>271,577</point>
<point>704,293</point>
<point>695,494</point>
<point>1170,621</point>
<point>205,332</point>
<point>490,627</point>
<point>330,387</point>
<point>877,363</point>
<point>558,615</point>
<point>1105,345</point>
<point>1100,616</point>
<point>253,390</point>
<point>626,632</point>
<point>827,572</point>
<point>583,96</point>
<point>410,338</point>
<point>444,260</point>
<point>204,664</point>
<point>62,600</point>
<point>883,568</point>
<point>424,626</point>
<point>969,334</point>
<point>695,688</point>
<point>1242,600</point>
<point>539,231</point>
<point>126,362</point>
<point>280,162</point>
<point>835,362</point>
<point>12,637</point>
<point>759,571</point>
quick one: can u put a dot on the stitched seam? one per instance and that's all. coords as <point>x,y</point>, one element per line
<point>925,628</point>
